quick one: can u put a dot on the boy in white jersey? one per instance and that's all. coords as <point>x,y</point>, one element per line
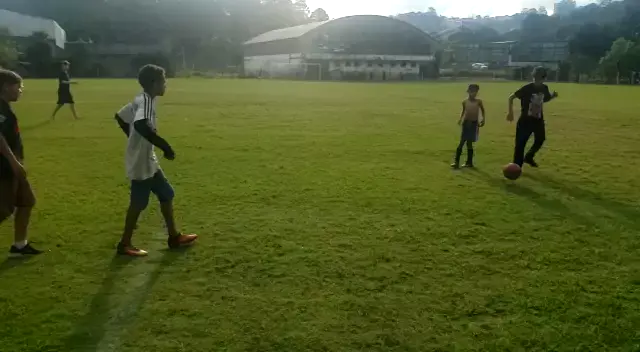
<point>138,121</point>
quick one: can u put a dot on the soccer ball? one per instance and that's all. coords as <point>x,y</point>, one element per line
<point>512,171</point>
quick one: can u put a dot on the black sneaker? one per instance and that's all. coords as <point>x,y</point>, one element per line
<point>531,162</point>
<point>455,166</point>
<point>469,165</point>
<point>26,250</point>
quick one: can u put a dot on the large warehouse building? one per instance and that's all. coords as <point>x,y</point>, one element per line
<point>349,48</point>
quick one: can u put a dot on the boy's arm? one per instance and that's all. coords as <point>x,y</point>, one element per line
<point>16,166</point>
<point>123,125</point>
<point>147,133</point>
<point>548,96</point>
<point>484,114</point>
<point>464,109</point>
<point>517,95</point>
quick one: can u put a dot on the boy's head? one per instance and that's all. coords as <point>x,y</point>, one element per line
<point>65,65</point>
<point>153,80</point>
<point>539,74</point>
<point>473,90</point>
<point>10,86</point>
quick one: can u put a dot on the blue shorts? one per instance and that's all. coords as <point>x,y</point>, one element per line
<point>142,189</point>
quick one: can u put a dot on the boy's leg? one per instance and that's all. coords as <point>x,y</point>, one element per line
<point>73,110</point>
<point>469,162</point>
<point>140,191</point>
<point>456,161</point>
<point>539,136</point>
<point>55,111</point>
<point>7,199</point>
<point>24,201</point>
<point>523,132</point>
<point>165,193</point>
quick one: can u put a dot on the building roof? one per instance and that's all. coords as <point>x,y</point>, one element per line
<point>286,33</point>
<point>299,31</point>
<point>20,25</point>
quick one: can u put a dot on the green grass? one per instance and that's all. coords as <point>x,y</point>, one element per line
<point>330,221</point>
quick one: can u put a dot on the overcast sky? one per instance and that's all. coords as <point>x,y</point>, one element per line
<point>457,8</point>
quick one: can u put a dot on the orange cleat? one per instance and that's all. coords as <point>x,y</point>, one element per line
<point>131,251</point>
<point>181,240</point>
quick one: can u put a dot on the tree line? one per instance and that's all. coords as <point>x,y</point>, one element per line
<point>604,38</point>
<point>205,32</point>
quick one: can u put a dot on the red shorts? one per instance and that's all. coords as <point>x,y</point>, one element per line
<point>15,193</point>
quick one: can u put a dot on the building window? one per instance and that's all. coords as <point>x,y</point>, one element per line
<point>348,64</point>
<point>370,64</point>
<point>414,65</point>
<point>403,65</point>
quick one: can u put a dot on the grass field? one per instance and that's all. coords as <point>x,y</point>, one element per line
<point>330,221</point>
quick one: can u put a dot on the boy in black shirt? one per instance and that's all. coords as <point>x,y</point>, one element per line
<point>64,91</point>
<point>532,97</point>
<point>16,196</point>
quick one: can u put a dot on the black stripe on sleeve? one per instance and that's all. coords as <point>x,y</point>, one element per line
<point>147,107</point>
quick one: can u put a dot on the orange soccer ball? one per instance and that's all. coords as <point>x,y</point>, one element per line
<point>512,171</point>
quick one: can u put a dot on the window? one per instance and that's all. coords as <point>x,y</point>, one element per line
<point>370,64</point>
<point>414,65</point>
<point>403,65</point>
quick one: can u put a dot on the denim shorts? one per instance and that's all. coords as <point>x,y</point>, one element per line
<point>142,189</point>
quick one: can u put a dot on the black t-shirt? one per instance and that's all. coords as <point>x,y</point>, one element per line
<point>11,134</point>
<point>62,78</point>
<point>532,98</point>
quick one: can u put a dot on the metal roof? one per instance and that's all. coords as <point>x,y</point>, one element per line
<point>286,33</point>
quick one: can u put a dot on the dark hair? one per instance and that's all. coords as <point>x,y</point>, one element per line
<point>473,88</point>
<point>9,77</point>
<point>540,72</point>
<point>65,62</point>
<point>149,74</point>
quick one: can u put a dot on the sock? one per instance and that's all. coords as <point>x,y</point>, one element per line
<point>20,244</point>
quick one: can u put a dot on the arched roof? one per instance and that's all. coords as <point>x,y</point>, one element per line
<point>299,31</point>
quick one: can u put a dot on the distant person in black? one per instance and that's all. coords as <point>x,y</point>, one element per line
<point>532,98</point>
<point>64,91</point>
<point>16,196</point>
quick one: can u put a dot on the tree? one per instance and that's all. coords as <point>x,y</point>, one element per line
<point>39,55</point>
<point>8,50</point>
<point>618,60</point>
<point>319,15</point>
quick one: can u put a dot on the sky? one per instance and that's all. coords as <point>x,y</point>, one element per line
<point>451,8</point>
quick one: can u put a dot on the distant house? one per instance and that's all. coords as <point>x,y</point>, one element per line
<point>21,27</point>
<point>349,48</point>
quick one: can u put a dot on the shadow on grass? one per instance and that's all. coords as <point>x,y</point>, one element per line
<point>11,263</point>
<point>111,314</point>
<point>630,213</point>
<point>553,205</point>
<point>35,126</point>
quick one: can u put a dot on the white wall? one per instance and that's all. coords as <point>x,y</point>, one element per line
<point>274,66</point>
<point>20,25</point>
<point>391,70</point>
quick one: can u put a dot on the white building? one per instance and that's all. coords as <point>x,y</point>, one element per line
<point>349,48</point>
<point>24,26</point>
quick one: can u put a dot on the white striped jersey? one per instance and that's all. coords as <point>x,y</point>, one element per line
<point>140,158</point>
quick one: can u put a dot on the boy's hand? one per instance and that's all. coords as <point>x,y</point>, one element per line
<point>459,122</point>
<point>510,116</point>
<point>169,154</point>
<point>554,94</point>
<point>482,123</point>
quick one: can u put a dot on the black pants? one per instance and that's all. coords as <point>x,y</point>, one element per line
<point>468,136</point>
<point>525,128</point>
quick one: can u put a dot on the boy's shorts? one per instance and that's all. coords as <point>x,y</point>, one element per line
<point>142,189</point>
<point>470,131</point>
<point>15,193</point>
